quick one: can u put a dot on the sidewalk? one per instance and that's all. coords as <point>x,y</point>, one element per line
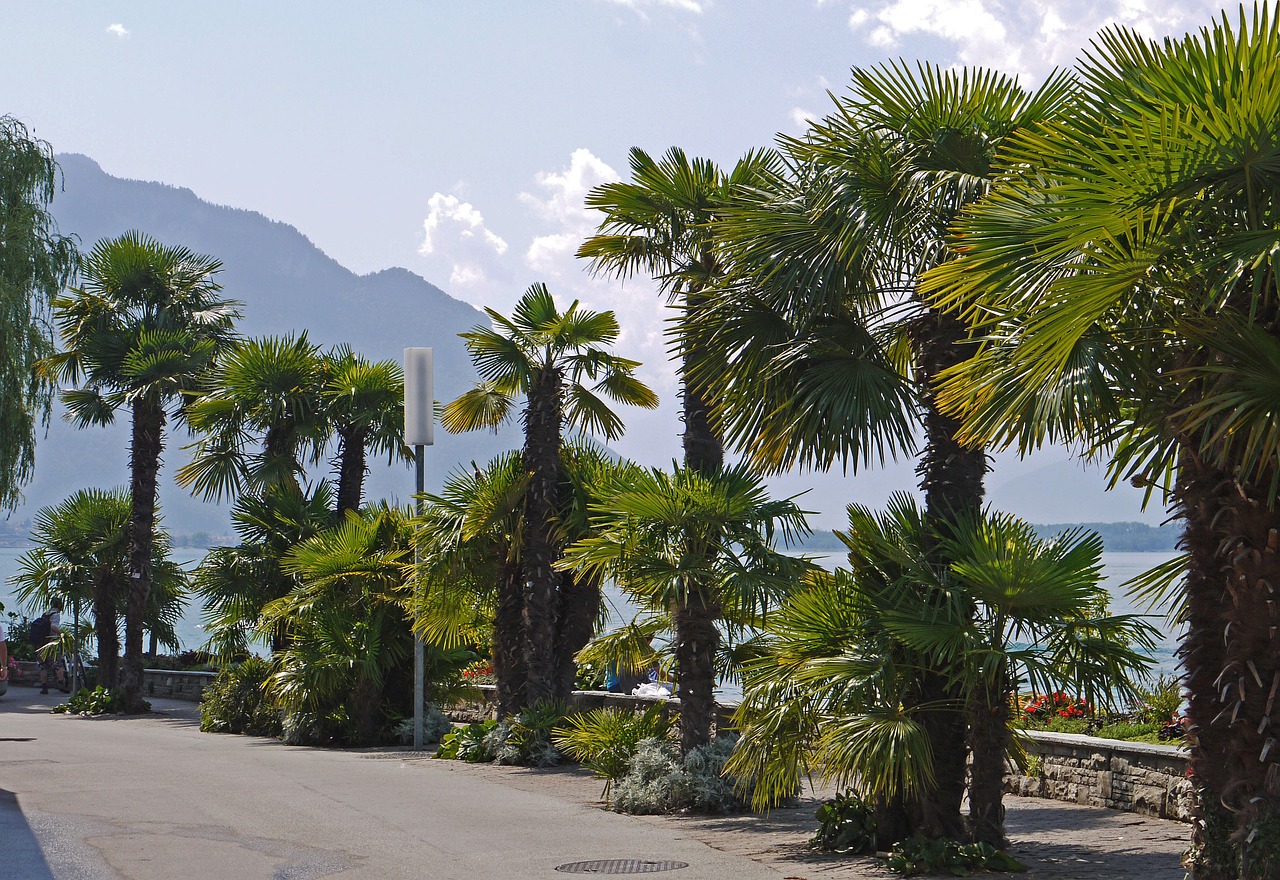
<point>152,797</point>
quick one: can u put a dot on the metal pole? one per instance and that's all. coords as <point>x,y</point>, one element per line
<point>75,641</point>
<point>419,650</point>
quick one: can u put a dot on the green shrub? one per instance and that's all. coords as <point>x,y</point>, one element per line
<point>604,740</point>
<point>846,824</point>
<point>1162,702</point>
<point>99,701</point>
<point>525,740</point>
<point>435,725</point>
<point>658,780</point>
<point>1145,732</point>
<point>467,743</point>
<point>919,855</point>
<point>236,703</point>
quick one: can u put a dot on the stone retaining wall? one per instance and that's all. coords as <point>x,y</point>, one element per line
<point>1134,777</point>
<point>584,701</point>
<point>163,683</point>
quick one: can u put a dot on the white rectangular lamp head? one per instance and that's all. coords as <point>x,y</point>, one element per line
<point>419,397</point>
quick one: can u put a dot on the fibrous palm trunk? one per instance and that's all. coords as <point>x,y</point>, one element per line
<point>951,477</point>
<point>989,743</point>
<point>1231,660</point>
<point>580,600</point>
<point>144,463</point>
<point>543,421</point>
<point>105,627</point>
<point>351,470</point>
<point>509,669</point>
<point>697,638</point>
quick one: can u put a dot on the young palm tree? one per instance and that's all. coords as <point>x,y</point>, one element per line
<point>143,330</point>
<point>364,403</point>
<point>1123,275</point>
<point>659,222</point>
<point>549,357</point>
<point>269,388</point>
<point>694,544</point>
<point>836,689</point>
<point>832,357</point>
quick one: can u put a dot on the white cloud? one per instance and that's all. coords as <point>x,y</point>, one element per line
<point>455,231</point>
<point>118,30</point>
<point>1025,37</point>
<point>800,119</point>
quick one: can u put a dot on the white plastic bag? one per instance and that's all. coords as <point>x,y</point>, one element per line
<point>651,689</point>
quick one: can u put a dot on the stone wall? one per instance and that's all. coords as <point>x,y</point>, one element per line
<point>584,701</point>
<point>162,683</point>
<point>1134,777</point>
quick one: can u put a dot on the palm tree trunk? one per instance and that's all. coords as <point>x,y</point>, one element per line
<point>1231,659</point>
<point>579,608</point>
<point>697,639</point>
<point>351,471</point>
<point>105,628</point>
<point>951,477</point>
<point>989,744</point>
<point>509,670</point>
<point>543,421</point>
<point>144,463</point>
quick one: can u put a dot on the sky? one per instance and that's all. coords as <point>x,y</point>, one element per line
<point>458,139</point>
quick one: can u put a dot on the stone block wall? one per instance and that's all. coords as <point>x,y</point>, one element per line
<point>585,701</point>
<point>155,682</point>
<point>1134,777</point>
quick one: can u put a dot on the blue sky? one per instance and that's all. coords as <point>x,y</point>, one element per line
<point>457,139</point>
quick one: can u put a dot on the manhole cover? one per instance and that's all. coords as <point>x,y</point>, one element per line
<point>620,866</point>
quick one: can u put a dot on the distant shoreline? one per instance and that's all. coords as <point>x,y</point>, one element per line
<point>1117,537</point>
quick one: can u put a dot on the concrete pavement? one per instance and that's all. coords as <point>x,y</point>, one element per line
<point>152,797</point>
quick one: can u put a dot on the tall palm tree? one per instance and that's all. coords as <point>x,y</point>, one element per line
<point>364,404</point>
<point>659,222</point>
<point>549,357</point>
<point>1123,277</point>
<point>694,543</point>
<point>832,356</point>
<point>833,692</point>
<point>267,390</point>
<point>143,330</point>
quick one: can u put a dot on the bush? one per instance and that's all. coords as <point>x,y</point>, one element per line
<point>846,824</point>
<point>467,743</point>
<point>658,780</point>
<point>525,740</point>
<point>434,727</point>
<point>1162,703</point>
<point>237,703</point>
<point>186,661</point>
<point>1132,732</point>
<point>604,740</point>
<point>919,855</point>
<point>99,701</point>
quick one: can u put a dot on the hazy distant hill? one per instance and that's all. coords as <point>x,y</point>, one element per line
<point>287,284</point>
<point>1117,537</point>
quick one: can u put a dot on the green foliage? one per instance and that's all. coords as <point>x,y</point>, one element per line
<point>1034,767</point>
<point>18,629</point>
<point>659,780</point>
<point>605,740</point>
<point>435,727</point>
<point>236,701</point>
<point>1160,703</point>
<point>1140,732</point>
<point>99,701</point>
<point>36,262</point>
<point>846,824</point>
<point>919,855</point>
<point>468,743</point>
<point>525,740</point>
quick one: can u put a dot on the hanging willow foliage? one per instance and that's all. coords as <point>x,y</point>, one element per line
<point>36,262</point>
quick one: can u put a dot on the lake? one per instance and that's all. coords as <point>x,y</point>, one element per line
<point>1117,567</point>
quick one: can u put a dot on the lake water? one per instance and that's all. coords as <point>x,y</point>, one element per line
<point>1117,567</point>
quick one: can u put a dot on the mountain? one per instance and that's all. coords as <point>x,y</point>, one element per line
<point>287,284</point>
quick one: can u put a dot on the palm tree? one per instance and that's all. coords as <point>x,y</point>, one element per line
<point>696,544</point>
<point>269,388</point>
<point>1123,278</point>
<point>832,356</point>
<point>143,330</point>
<point>547,356</point>
<point>659,222</point>
<point>364,403</point>
<point>836,689</point>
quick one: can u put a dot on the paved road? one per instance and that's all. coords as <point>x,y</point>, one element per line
<point>152,797</point>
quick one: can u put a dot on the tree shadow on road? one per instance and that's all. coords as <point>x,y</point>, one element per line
<point>21,857</point>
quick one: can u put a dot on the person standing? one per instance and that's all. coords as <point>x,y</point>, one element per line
<point>41,634</point>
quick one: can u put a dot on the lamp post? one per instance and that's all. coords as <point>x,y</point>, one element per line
<point>419,432</point>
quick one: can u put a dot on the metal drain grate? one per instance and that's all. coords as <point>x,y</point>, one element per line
<point>620,866</point>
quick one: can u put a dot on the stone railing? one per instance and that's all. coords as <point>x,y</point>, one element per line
<point>164,683</point>
<point>584,701</point>
<point>1134,777</point>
